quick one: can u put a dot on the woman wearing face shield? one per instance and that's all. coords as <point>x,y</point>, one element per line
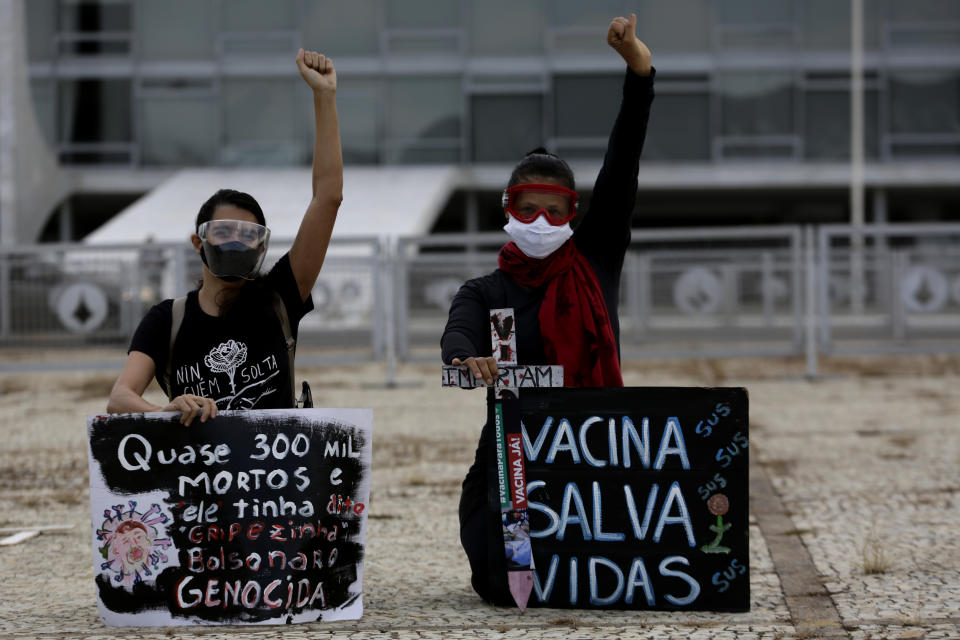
<point>230,351</point>
<point>563,285</point>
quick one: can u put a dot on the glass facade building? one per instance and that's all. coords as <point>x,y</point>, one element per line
<point>145,84</point>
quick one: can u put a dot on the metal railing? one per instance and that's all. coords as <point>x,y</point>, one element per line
<point>69,294</point>
<point>684,292</point>
<point>889,289</point>
<point>699,292</point>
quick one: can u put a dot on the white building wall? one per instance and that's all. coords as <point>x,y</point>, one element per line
<point>31,182</point>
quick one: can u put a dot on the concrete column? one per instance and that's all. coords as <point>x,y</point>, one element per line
<point>31,181</point>
<point>857,277</point>
<point>65,219</point>
<point>879,206</point>
<point>884,272</point>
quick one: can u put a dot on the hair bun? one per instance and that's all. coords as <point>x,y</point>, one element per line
<point>539,164</point>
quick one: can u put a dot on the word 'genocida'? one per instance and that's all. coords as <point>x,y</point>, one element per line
<point>257,516</point>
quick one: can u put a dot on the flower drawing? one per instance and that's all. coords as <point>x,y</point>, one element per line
<point>132,548</point>
<point>226,358</point>
<point>718,505</point>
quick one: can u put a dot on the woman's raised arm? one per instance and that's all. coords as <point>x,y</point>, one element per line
<point>622,36</point>
<point>310,247</point>
<point>604,232</point>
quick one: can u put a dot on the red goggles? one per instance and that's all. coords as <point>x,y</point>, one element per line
<point>558,209</point>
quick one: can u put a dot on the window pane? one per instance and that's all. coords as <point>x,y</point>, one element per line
<point>586,105</point>
<point>256,15</point>
<point>423,26</point>
<point>506,27</point>
<point>752,12</point>
<point>678,25</point>
<point>338,28</point>
<point>441,43</point>
<point>422,14</point>
<point>826,24</point>
<point>178,131</point>
<point>943,149</point>
<point>258,44</point>
<point>260,123</point>
<point>357,103</point>
<point>94,16</point>
<point>751,40</point>
<point>827,124</point>
<point>425,155</point>
<point>924,11</point>
<point>164,34</point>
<point>41,19</point>
<point>756,104</point>
<point>423,107</point>
<point>94,111</point>
<point>45,107</point>
<point>94,28</point>
<point>925,37</point>
<point>679,127</point>
<point>925,102</point>
<point>582,26</point>
<point>745,151</point>
<point>756,24</point>
<point>506,127</point>
<point>595,14</point>
<point>827,115</point>
<point>924,23</point>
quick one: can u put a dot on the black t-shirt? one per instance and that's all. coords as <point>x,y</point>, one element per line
<point>240,360</point>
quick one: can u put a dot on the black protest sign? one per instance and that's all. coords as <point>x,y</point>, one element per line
<point>252,517</point>
<point>638,497</point>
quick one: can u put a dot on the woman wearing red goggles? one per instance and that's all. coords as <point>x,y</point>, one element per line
<point>563,285</point>
<point>526,202</point>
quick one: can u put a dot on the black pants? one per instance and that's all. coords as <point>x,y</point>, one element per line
<point>488,571</point>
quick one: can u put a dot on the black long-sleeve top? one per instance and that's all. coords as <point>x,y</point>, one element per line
<point>603,236</point>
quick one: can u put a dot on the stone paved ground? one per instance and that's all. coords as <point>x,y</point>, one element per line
<point>855,530</point>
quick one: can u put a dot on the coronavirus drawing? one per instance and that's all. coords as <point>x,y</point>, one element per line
<point>132,546</point>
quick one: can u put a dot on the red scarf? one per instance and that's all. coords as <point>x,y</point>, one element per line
<point>573,318</point>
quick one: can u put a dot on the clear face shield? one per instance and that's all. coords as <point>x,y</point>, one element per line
<point>233,249</point>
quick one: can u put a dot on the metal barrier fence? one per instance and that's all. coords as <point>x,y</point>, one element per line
<point>889,289</point>
<point>713,292</point>
<point>704,292</point>
<point>427,273</point>
<point>730,291</point>
<point>69,294</point>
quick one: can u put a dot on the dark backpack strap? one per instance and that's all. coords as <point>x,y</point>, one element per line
<point>281,310</point>
<point>179,308</point>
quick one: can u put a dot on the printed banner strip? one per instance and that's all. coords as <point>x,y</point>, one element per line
<point>518,480</point>
<point>512,376</point>
<point>501,458</point>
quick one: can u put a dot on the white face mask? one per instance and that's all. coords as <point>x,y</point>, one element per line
<point>539,238</point>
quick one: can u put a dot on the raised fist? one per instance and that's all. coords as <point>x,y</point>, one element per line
<point>622,36</point>
<point>317,70</point>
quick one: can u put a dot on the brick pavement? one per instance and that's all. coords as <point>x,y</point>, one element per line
<point>846,471</point>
